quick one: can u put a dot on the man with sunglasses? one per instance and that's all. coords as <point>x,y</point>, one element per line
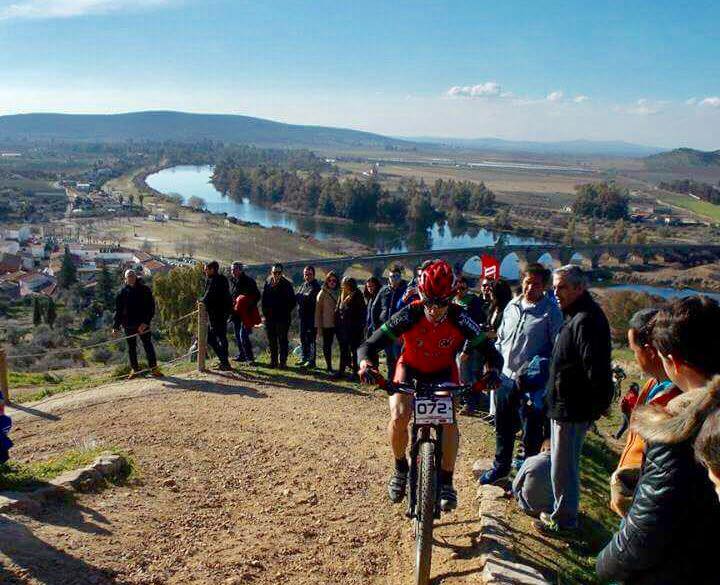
<point>433,331</point>
<point>388,302</point>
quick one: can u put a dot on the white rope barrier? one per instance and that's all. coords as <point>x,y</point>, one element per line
<point>61,350</point>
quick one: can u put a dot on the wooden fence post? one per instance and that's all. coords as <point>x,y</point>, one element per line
<point>4,385</point>
<point>202,336</point>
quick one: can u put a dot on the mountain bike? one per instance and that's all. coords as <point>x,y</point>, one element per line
<point>434,405</point>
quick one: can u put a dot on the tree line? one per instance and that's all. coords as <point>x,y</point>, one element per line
<point>413,203</point>
<point>704,191</point>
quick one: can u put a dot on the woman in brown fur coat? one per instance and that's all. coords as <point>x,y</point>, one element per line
<point>669,536</point>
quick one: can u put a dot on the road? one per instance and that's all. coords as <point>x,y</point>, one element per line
<point>240,478</point>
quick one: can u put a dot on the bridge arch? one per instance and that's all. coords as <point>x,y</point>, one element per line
<point>472,267</point>
<point>581,260</point>
<point>510,266</point>
<point>359,271</point>
<point>548,260</point>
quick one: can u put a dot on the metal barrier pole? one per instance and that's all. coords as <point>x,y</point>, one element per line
<point>4,385</point>
<point>202,336</point>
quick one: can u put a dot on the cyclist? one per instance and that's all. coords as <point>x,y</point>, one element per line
<point>432,331</point>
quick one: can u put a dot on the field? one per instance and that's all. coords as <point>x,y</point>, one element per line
<point>206,237</point>
<point>703,208</point>
<point>504,183</point>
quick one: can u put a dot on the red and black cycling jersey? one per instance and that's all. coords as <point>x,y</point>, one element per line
<point>428,346</point>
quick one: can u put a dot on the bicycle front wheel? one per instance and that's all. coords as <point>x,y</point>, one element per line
<point>425,517</point>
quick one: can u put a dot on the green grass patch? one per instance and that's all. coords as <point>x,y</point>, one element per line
<point>16,476</point>
<point>704,208</point>
<point>82,381</point>
<point>22,379</point>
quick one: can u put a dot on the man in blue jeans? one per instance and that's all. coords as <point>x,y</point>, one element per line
<point>529,326</point>
<point>580,390</point>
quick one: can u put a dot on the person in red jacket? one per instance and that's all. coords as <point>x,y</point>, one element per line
<point>433,331</point>
<point>627,404</point>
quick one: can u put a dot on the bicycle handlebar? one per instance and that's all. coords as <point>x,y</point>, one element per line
<point>391,388</point>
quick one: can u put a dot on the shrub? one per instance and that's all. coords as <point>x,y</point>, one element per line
<point>101,354</point>
<point>620,306</point>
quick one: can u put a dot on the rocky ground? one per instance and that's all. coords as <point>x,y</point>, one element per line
<point>241,478</point>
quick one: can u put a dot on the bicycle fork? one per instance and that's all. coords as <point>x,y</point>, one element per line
<point>420,435</point>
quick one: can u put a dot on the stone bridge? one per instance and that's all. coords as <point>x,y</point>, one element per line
<point>553,255</point>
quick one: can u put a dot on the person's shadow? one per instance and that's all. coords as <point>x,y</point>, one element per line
<point>212,387</point>
<point>41,561</point>
<point>34,411</point>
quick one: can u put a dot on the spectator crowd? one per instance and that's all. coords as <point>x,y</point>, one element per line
<point>555,382</point>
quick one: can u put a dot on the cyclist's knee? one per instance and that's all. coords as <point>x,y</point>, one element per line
<point>400,410</point>
<point>399,418</point>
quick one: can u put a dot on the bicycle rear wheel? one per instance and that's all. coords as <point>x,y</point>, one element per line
<point>425,517</point>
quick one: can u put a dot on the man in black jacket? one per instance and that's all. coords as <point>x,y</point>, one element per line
<point>134,309</point>
<point>218,303</point>
<point>243,285</point>
<point>580,390</point>
<point>386,304</point>
<point>306,300</point>
<point>278,301</point>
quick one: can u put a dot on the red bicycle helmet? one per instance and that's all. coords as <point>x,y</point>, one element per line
<point>437,282</point>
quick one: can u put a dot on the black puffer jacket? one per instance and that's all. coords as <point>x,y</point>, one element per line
<point>134,305</point>
<point>580,385</point>
<point>244,285</point>
<point>387,301</point>
<point>278,300</point>
<point>350,317</point>
<point>307,300</point>
<point>669,536</point>
<point>217,299</point>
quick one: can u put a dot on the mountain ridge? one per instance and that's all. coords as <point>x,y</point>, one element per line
<point>570,147</point>
<point>184,127</point>
<point>684,158</point>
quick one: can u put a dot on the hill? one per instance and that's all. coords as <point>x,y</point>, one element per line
<point>683,158</point>
<point>570,147</point>
<point>184,127</point>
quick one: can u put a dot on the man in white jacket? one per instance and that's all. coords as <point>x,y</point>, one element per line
<point>529,326</point>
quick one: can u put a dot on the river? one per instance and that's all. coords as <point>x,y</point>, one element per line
<point>195,180</point>
<point>664,292</point>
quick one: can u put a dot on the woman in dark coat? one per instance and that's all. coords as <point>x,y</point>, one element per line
<point>372,288</point>
<point>351,315</point>
<point>500,296</point>
<point>669,534</point>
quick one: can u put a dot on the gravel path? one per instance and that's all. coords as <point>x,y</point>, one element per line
<point>242,478</point>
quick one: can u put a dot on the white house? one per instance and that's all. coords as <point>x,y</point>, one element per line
<point>9,246</point>
<point>21,234</point>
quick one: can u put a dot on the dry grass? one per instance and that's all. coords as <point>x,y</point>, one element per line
<point>499,180</point>
<point>209,237</point>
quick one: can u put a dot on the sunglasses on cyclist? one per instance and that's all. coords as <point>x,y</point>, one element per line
<point>436,303</point>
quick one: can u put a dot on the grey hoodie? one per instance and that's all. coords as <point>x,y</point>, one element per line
<point>527,332</point>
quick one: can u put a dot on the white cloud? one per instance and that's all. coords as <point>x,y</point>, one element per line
<point>579,99</point>
<point>481,90</point>
<point>691,101</point>
<point>555,96</point>
<point>642,107</point>
<point>33,9</point>
<point>713,101</point>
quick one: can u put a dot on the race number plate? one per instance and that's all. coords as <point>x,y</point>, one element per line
<point>434,411</point>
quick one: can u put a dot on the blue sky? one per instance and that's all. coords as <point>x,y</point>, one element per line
<point>640,71</point>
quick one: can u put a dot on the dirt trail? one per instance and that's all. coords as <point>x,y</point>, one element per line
<point>243,478</point>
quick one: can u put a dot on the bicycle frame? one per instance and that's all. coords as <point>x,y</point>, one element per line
<point>422,433</point>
